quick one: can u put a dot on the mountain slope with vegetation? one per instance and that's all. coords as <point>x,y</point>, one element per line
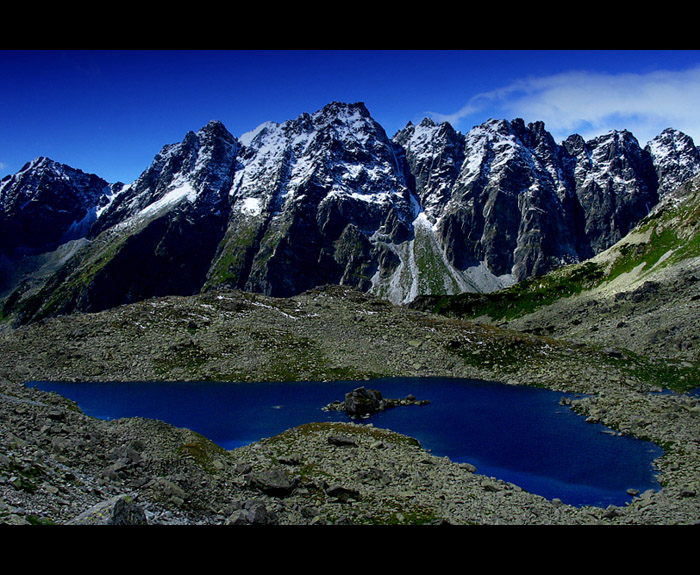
<point>642,294</point>
<point>329,198</point>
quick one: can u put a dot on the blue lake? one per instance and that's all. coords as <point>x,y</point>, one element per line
<point>519,434</point>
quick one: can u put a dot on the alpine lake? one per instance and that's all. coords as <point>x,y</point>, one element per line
<point>522,435</point>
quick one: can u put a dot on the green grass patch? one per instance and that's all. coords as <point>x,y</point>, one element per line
<point>668,374</point>
<point>203,452</point>
<point>524,297</point>
<point>34,520</point>
<point>433,275</point>
<point>230,266</point>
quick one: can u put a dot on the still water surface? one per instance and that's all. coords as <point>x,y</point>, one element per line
<point>518,434</point>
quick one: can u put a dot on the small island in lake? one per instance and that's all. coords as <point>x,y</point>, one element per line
<point>363,402</point>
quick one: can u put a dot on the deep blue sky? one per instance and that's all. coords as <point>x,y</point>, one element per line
<point>109,112</point>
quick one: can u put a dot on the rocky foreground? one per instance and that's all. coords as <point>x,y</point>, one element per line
<point>59,466</point>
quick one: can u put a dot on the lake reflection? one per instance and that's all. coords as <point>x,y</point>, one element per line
<point>519,434</point>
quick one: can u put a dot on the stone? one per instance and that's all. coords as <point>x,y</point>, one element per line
<point>253,513</point>
<point>363,401</point>
<point>342,441</point>
<point>274,482</point>
<point>120,510</point>
<point>342,493</point>
<point>169,489</point>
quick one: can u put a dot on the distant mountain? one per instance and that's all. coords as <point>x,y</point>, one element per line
<point>662,248</point>
<point>44,209</point>
<point>46,204</point>
<point>329,198</point>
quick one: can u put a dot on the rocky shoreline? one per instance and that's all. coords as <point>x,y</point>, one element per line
<point>59,466</point>
<point>62,467</point>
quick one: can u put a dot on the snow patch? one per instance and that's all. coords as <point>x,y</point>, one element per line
<point>248,137</point>
<point>179,193</point>
<point>250,206</point>
<point>184,191</point>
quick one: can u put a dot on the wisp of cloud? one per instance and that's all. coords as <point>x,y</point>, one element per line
<point>593,103</point>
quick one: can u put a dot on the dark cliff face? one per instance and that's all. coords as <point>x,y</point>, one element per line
<point>510,205</point>
<point>434,154</point>
<point>616,186</point>
<point>306,199</point>
<point>328,198</point>
<point>675,159</point>
<point>525,205</point>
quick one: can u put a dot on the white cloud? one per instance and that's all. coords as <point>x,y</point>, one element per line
<point>592,103</point>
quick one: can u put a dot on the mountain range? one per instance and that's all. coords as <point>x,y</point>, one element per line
<point>329,198</point>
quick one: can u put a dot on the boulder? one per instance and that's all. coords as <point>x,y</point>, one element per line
<point>253,513</point>
<point>120,510</point>
<point>274,482</point>
<point>363,401</point>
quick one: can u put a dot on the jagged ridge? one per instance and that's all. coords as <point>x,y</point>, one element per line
<point>329,198</point>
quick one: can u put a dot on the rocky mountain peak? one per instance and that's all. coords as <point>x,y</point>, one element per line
<point>47,203</point>
<point>675,157</point>
<point>340,149</point>
<point>337,110</point>
<point>434,153</point>
<point>197,170</point>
